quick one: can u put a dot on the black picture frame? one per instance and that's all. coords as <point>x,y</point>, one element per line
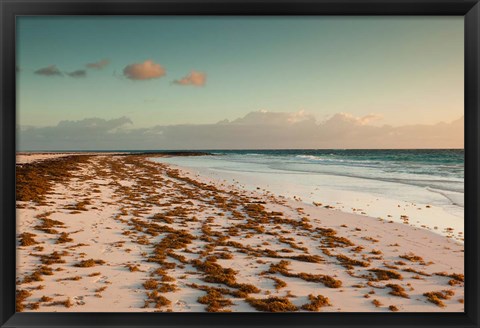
<point>470,9</point>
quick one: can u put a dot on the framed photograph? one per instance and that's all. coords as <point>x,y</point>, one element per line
<point>248,163</point>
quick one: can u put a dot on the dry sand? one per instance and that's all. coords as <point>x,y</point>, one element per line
<point>133,235</point>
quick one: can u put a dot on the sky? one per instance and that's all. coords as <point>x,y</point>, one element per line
<point>184,82</point>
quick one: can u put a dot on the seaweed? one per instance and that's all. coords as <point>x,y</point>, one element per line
<point>272,304</point>
<point>316,302</point>
<point>89,263</point>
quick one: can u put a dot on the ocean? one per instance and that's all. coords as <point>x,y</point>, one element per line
<point>436,169</point>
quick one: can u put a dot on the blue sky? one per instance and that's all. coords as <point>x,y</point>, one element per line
<point>405,70</point>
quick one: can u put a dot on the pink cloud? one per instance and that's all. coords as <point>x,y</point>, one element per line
<point>144,71</point>
<point>194,78</point>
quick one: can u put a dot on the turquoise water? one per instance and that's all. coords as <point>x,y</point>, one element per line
<point>441,170</point>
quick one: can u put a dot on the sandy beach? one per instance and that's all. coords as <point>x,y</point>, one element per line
<point>123,233</point>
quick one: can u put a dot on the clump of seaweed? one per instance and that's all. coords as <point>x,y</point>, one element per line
<point>100,289</point>
<point>223,255</point>
<point>166,288</point>
<point>423,273</point>
<point>377,303</point>
<point>150,284</point>
<point>412,258</point>
<point>63,238</point>
<point>33,305</point>
<point>272,304</point>
<point>66,303</point>
<point>437,297</point>
<point>279,283</point>
<point>48,224</point>
<point>215,273</point>
<point>157,299</point>
<point>46,299</point>
<point>349,262</point>
<point>316,302</point>
<point>53,258</point>
<point>397,290</point>
<point>385,274</point>
<point>89,263</point>
<point>282,268</point>
<point>393,308</point>
<point>457,278</point>
<point>358,249</point>
<point>132,268</point>
<point>39,287</point>
<point>75,278</point>
<point>307,258</point>
<point>26,239</point>
<point>215,301</point>
<point>37,274</point>
<point>20,297</point>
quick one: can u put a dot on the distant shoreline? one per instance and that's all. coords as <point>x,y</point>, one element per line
<point>23,158</point>
<point>115,152</point>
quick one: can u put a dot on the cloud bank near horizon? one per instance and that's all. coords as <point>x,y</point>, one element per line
<point>256,130</point>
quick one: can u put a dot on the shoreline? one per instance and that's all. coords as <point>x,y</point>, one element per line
<point>284,184</point>
<point>159,239</point>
